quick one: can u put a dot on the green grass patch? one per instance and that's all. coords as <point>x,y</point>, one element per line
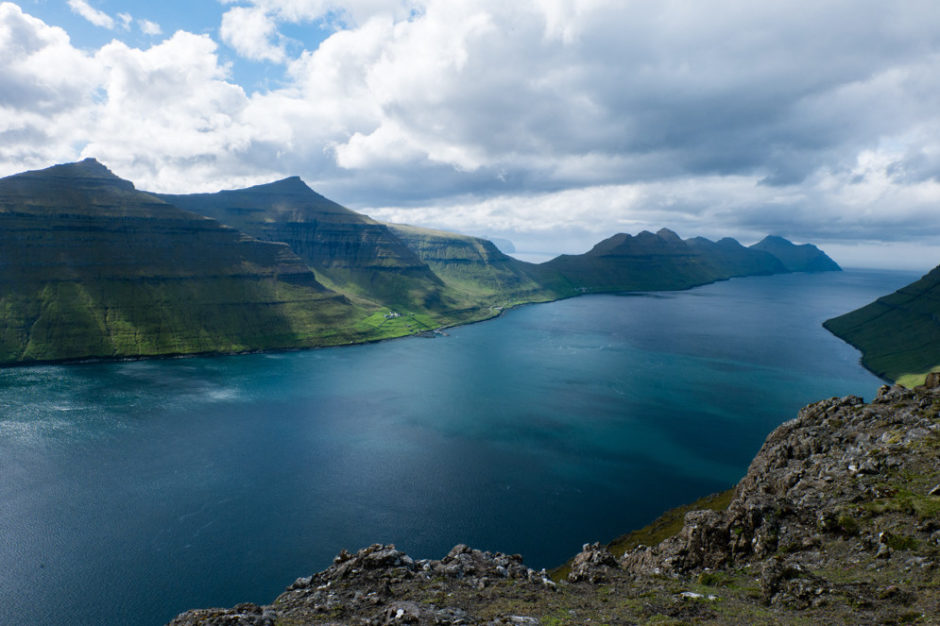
<point>904,501</point>
<point>915,380</point>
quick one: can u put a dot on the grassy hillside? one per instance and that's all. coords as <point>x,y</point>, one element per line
<point>474,269</point>
<point>90,267</point>
<point>898,334</point>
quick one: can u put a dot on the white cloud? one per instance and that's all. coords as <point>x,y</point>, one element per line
<point>250,32</point>
<point>126,20</point>
<point>149,28</point>
<point>93,15</point>
<point>562,119</point>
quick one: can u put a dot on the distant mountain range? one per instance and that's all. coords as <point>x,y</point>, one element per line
<point>91,267</point>
<point>898,334</point>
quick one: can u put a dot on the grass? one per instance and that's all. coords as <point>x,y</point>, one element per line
<point>914,380</point>
<point>907,502</point>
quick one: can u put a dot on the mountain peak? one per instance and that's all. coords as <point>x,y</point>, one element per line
<point>86,173</point>
<point>777,240</point>
<point>292,185</point>
<point>668,235</point>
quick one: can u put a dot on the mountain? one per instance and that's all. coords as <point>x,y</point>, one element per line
<point>729,258</point>
<point>91,267</point>
<point>654,262</point>
<point>898,334</point>
<point>474,267</point>
<point>835,522</point>
<point>803,258</point>
<point>347,251</point>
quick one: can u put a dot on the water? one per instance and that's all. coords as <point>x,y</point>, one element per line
<point>130,492</point>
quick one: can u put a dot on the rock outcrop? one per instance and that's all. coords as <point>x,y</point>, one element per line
<point>836,521</point>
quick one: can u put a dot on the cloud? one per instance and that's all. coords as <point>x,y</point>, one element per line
<point>252,30</point>
<point>565,119</point>
<point>93,15</point>
<point>249,32</point>
<point>149,28</point>
<point>46,90</point>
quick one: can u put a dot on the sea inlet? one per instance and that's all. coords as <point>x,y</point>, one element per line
<point>132,491</point>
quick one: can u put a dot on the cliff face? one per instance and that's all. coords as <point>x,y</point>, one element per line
<point>350,252</point>
<point>90,267</point>
<point>836,521</point>
<point>898,334</point>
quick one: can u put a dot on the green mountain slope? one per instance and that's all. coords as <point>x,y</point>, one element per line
<point>474,268</point>
<point>898,334</point>
<point>91,267</point>
<point>348,251</point>
<point>802,258</point>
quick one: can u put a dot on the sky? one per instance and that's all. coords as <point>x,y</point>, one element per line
<point>551,123</point>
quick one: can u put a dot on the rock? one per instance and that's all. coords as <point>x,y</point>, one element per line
<point>932,381</point>
<point>246,614</point>
<point>592,564</point>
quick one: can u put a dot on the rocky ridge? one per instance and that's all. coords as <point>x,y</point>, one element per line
<point>836,521</point>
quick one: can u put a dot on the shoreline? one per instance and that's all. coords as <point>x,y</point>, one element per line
<point>503,309</point>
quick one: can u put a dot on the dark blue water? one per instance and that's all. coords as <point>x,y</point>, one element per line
<point>130,492</point>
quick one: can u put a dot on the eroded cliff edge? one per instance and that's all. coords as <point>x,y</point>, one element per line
<point>836,521</point>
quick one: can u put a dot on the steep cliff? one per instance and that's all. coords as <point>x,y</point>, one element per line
<point>348,251</point>
<point>898,334</point>
<point>836,521</point>
<point>91,267</point>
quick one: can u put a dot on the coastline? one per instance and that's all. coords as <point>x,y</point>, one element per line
<point>503,309</point>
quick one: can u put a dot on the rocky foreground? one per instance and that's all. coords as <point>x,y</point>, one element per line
<point>836,521</point>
